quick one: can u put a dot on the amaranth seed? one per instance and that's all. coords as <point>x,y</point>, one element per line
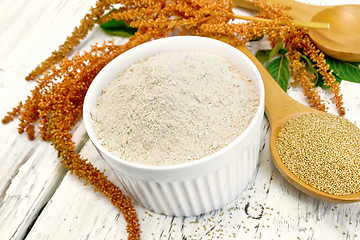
<point>323,151</point>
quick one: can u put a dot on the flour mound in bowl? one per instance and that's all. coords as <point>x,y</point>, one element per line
<point>174,107</point>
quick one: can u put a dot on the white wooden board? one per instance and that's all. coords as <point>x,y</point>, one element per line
<point>40,200</point>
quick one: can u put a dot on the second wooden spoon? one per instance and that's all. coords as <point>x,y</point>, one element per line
<point>341,41</point>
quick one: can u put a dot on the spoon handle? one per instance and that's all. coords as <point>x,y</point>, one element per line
<point>279,106</point>
<point>247,4</point>
<point>299,11</point>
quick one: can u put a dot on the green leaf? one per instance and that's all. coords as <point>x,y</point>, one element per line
<point>279,70</point>
<point>118,28</point>
<point>275,49</point>
<point>283,51</point>
<point>356,64</point>
<point>263,55</point>
<point>256,38</point>
<point>266,55</point>
<point>310,68</point>
<point>344,70</point>
<point>321,84</point>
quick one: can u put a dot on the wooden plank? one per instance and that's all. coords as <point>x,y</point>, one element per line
<point>270,208</point>
<point>76,212</point>
<point>30,171</point>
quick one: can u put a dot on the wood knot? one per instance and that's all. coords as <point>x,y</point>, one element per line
<point>254,210</point>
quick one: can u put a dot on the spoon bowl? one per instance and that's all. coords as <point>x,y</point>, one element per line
<point>280,108</point>
<point>341,41</point>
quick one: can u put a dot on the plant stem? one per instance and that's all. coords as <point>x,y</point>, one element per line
<point>295,22</point>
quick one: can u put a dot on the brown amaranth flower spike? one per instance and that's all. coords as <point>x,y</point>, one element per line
<point>298,42</point>
<point>57,105</point>
<point>80,32</point>
<point>306,80</point>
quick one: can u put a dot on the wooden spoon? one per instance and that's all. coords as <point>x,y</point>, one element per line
<point>341,41</point>
<point>280,108</point>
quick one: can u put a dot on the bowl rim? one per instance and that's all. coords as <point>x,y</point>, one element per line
<point>181,166</point>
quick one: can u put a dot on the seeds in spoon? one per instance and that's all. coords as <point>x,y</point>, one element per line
<point>323,151</point>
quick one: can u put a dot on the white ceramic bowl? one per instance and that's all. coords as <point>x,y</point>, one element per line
<point>195,187</point>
